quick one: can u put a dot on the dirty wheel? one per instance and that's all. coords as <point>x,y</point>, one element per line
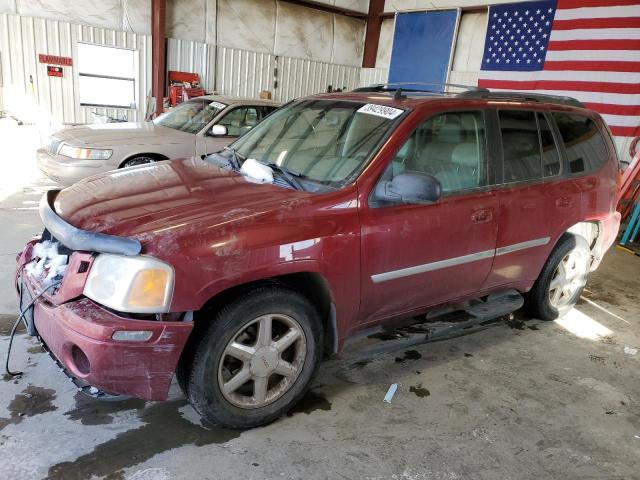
<point>256,359</point>
<point>137,161</point>
<point>562,279</point>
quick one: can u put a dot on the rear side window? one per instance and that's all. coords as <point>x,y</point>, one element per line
<point>550,155</point>
<point>520,146</point>
<point>583,142</point>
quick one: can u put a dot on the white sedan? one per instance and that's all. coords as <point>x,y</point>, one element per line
<point>196,127</point>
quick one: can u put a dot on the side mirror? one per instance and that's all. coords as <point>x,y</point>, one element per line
<point>218,131</point>
<point>409,187</point>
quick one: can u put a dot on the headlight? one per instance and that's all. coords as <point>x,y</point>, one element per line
<point>85,153</point>
<point>130,284</point>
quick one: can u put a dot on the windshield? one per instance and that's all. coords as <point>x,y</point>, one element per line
<point>327,141</point>
<point>191,116</point>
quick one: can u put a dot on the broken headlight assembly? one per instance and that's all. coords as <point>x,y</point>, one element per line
<point>85,153</point>
<point>133,284</point>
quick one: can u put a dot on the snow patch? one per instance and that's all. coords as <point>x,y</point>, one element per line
<point>255,171</point>
<point>49,261</point>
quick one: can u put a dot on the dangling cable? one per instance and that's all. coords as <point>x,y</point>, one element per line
<point>15,327</point>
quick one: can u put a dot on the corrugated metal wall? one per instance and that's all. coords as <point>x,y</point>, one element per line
<point>371,76</point>
<point>243,73</point>
<point>30,93</point>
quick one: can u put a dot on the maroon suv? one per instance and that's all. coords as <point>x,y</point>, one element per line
<point>338,213</point>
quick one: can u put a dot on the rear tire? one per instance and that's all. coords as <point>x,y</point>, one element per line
<point>256,358</point>
<point>561,280</point>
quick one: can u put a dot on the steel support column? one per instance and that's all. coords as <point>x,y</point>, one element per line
<point>372,35</point>
<point>158,51</point>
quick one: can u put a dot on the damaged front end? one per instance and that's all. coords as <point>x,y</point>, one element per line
<point>101,308</point>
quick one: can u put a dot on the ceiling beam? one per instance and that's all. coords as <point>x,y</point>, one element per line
<point>323,7</point>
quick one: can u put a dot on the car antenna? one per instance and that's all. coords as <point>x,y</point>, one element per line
<point>398,95</point>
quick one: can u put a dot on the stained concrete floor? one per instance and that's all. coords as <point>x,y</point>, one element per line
<point>521,399</point>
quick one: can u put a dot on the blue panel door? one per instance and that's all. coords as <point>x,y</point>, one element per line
<point>422,44</point>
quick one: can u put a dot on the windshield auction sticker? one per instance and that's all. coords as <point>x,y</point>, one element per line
<point>217,105</point>
<point>380,111</point>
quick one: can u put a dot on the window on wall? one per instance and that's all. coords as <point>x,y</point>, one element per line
<point>107,76</point>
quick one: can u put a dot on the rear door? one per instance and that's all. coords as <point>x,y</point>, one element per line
<point>533,194</point>
<point>415,256</point>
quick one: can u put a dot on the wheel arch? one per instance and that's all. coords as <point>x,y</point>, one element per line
<point>312,285</point>
<point>155,156</point>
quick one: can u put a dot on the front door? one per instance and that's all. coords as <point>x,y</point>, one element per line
<point>415,256</point>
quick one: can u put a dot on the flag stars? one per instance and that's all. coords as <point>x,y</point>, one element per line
<point>518,61</point>
<point>546,23</point>
<point>538,12</point>
<point>544,35</point>
<point>505,14</point>
<point>550,10</point>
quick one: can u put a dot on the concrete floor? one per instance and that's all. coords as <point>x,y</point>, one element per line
<point>522,399</point>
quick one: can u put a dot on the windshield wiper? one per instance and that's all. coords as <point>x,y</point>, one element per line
<point>288,175</point>
<point>235,163</point>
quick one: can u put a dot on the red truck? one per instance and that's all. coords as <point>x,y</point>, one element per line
<point>339,212</point>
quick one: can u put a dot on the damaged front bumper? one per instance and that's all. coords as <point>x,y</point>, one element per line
<point>92,344</point>
<point>79,334</point>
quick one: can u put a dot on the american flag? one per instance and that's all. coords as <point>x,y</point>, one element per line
<point>587,49</point>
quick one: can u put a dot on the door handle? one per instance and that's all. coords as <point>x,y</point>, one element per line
<point>482,216</point>
<point>564,202</point>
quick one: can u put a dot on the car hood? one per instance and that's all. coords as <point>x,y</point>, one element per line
<point>118,134</point>
<point>171,199</point>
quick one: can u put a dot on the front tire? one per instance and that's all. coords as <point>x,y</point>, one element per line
<point>562,279</point>
<point>256,359</point>
<point>137,161</point>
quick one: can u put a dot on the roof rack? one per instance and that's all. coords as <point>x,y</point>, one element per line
<point>415,87</point>
<point>469,91</point>
<point>529,96</point>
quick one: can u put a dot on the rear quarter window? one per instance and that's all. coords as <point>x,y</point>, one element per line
<point>583,142</point>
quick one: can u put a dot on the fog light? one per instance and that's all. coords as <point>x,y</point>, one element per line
<point>132,335</point>
<point>80,360</point>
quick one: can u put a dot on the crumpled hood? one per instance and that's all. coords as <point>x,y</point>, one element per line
<point>119,134</point>
<point>170,197</point>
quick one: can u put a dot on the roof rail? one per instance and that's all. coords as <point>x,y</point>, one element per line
<point>415,87</point>
<point>529,96</point>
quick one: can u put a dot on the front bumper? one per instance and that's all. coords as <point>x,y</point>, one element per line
<point>68,171</point>
<point>78,334</point>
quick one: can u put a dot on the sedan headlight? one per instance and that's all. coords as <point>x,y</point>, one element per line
<point>85,153</point>
<point>130,284</point>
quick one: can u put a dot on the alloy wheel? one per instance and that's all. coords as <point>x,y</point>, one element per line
<point>262,361</point>
<point>568,278</point>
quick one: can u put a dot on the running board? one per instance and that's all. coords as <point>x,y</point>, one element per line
<point>439,324</point>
